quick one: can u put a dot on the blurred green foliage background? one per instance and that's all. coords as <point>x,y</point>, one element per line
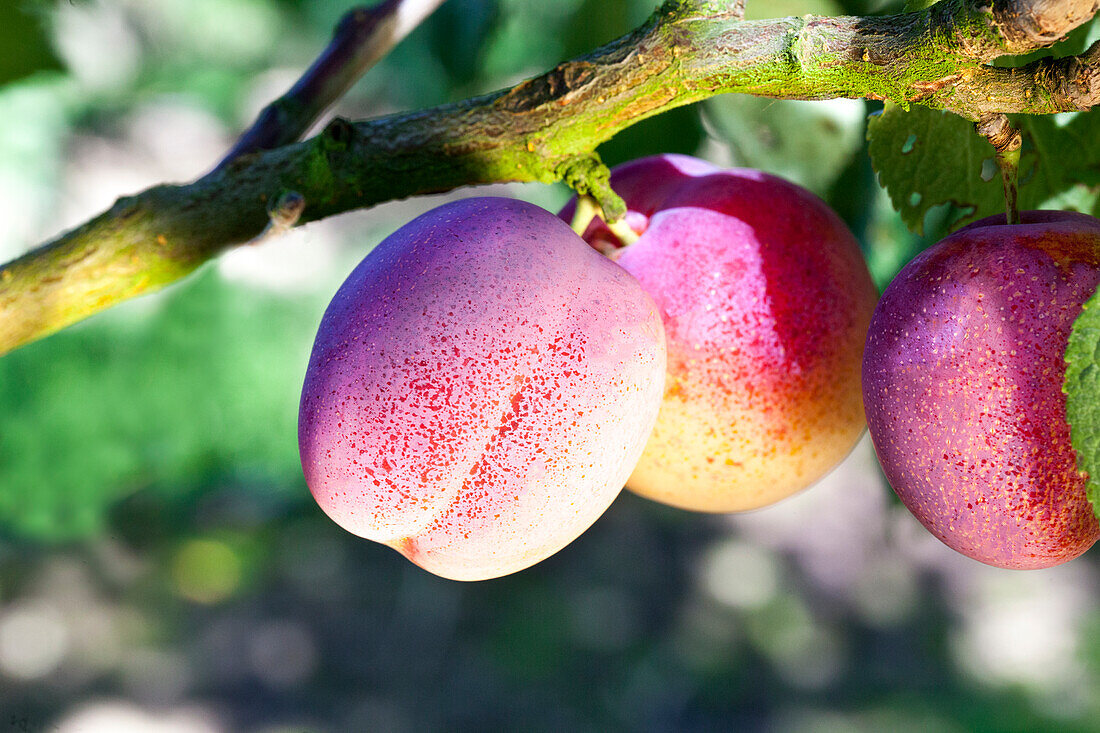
<point>163,568</point>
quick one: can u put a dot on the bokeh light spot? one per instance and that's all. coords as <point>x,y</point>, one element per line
<point>741,575</point>
<point>33,641</point>
<point>206,571</point>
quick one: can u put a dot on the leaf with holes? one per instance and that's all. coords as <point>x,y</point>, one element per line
<point>926,158</point>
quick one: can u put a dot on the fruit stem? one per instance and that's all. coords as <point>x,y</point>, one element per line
<point>1009,163</point>
<point>1006,142</point>
<point>623,231</point>
<point>587,210</point>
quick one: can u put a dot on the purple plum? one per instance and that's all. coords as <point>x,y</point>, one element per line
<point>765,298</point>
<point>479,390</point>
<point>962,382</point>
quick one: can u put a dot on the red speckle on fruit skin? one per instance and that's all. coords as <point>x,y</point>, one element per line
<point>962,380</point>
<point>479,389</point>
<point>766,300</point>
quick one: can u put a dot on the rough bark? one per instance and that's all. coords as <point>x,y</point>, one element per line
<point>546,129</point>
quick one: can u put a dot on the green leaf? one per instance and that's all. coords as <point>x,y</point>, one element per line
<point>27,47</point>
<point>925,158</point>
<point>1082,388</point>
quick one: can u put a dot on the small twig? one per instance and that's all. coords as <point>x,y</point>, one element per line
<point>362,37</point>
<point>283,214</point>
<point>1006,142</point>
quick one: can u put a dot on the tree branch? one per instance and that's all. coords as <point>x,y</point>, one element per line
<point>362,37</point>
<point>547,128</point>
<point>1029,24</point>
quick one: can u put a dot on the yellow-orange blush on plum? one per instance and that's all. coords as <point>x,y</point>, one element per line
<point>765,299</point>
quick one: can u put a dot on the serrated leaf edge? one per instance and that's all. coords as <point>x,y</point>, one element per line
<point>1081,336</point>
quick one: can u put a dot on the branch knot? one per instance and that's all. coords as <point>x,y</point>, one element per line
<point>588,175</point>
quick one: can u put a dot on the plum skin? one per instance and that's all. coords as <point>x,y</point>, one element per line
<point>766,301</point>
<point>479,389</point>
<point>962,379</point>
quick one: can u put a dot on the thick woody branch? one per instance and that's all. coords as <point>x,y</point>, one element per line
<point>1044,87</point>
<point>546,129</point>
<point>1029,24</point>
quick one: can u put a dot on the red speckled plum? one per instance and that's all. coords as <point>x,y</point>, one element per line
<point>479,390</point>
<point>962,378</point>
<point>765,299</point>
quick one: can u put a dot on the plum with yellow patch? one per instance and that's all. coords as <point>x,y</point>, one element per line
<point>962,380</point>
<point>765,298</point>
<point>480,388</point>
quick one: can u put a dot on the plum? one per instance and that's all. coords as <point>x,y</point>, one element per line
<point>962,381</point>
<point>766,299</point>
<point>480,388</point>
